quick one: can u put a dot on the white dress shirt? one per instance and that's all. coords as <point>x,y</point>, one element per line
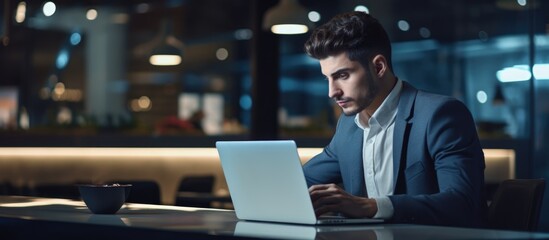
<point>377,152</point>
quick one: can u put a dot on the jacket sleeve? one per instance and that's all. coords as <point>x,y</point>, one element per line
<point>454,163</point>
<point>324,167</point>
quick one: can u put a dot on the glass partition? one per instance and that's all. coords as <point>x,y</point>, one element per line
<point>83,75</point>
<point>469,50</point>
<point>83,72</point>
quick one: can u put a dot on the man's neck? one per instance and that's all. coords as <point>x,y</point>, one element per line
<point>386,88</point>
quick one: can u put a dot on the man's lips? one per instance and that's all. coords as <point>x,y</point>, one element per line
<point>342,102</point>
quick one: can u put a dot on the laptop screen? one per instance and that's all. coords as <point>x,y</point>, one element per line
<point>266,181</point>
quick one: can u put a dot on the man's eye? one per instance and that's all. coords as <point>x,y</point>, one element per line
<point>343,76</point>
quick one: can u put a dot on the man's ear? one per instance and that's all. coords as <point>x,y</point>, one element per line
<point>380,65</point>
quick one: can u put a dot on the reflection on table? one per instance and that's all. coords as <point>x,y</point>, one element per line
<point>373,231</point>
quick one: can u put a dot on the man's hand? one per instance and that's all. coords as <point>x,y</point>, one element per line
<point>331,198</point>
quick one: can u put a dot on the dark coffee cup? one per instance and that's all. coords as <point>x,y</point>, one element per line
<point>104,198</point>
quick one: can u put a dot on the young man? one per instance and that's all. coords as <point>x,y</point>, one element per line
<point>401,154</point>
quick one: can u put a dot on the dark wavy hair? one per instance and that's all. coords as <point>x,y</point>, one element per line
<point>357,33</point>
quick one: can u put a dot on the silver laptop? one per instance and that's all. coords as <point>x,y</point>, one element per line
<point>266,183</point>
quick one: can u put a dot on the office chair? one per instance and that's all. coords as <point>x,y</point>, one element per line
<point>195,191</point>
<point>69,191</point>
<point>516,205</point>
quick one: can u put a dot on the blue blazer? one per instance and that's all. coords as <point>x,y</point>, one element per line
<point>437,158</point>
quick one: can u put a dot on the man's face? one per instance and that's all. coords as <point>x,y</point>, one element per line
<point>352,86</point>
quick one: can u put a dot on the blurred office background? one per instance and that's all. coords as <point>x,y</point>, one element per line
<point>82,72</point>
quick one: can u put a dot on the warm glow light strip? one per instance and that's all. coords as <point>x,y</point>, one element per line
<point>90,152</point>
<point>305,153</point>
<point>500,154</point>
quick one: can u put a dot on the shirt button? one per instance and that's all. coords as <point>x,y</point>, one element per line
<point>370,141</point>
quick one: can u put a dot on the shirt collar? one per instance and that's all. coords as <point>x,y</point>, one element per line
<point>386,112</point>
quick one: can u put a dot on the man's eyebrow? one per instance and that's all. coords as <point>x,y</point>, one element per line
<point>339,71</point>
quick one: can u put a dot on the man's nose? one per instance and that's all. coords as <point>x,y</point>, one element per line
<point>333,90</point>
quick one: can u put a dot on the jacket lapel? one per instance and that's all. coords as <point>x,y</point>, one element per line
<point>357,168</point>
<point>403,122</point>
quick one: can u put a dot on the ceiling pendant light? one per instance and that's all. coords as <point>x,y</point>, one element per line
<point>169,51</point>
<point>287,17</point>
<point>165,55</point>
